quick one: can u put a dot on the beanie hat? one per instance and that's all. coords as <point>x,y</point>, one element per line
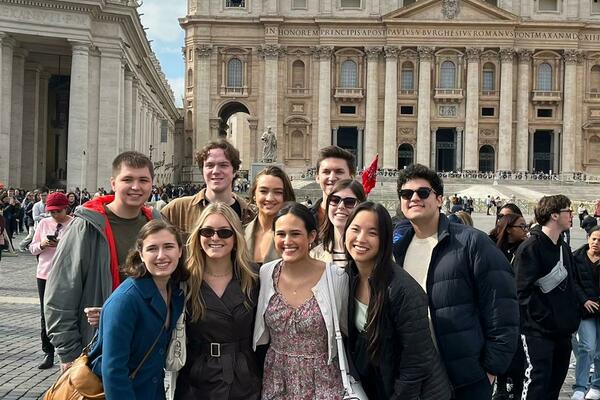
<point>56,201</point>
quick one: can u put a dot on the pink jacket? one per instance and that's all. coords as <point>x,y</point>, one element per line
<point>47,226</point>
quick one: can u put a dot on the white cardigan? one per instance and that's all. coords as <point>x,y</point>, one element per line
<point>321,293</point>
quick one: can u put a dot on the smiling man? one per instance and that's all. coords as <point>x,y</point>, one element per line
<point>470,285</point>
<point>219,162</point>
<point>86,268</point>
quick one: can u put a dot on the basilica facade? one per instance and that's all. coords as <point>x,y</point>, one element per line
<point>458,85</point>
<point>80,84</point>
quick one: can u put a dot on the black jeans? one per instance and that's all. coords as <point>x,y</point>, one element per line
<point>481,390</point>
<point>46,345</point>
<point>547,364</point>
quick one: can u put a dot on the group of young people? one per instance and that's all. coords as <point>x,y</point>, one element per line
<point>431,316</point>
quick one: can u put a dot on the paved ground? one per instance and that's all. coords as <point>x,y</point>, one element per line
<point>20,348</point>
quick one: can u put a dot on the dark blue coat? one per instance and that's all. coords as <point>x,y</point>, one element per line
<point>130,321</point>
<point>473,302</point>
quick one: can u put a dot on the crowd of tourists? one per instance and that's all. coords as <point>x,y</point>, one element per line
<point>248,298</point>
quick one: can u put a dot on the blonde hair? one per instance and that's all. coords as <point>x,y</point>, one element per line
<point>196,260</point>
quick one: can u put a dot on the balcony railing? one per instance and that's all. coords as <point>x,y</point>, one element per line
<point>546,96</point>
<point>234,91</point>
<point>490,94</point>
<point>348,93</point>
<point>298,91</point>
<point>407,92</point>
<point>595,95</point>
<point>448,95</point>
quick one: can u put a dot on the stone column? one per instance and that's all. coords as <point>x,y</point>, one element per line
<point>390,117</point>
<point>16,122</point>
<point>424,108</point>
<point>459,149</point>
<point>522,143</point>
<point>135,111</point>
<point>531,138</point>
<point>7,46</point>
<point>433,151</point>
<point>78,115</point>
<point>471,112</point>
<point>372,113</point>
<point>324,115</point>
<point>39,172</point>
<point>571,57</point>
<point>556,153</point>
<point>31,108</point>
<point>202,95</point>
<point>359,155</point>
<point>506,105</point>
<point>270,53</point>
<point>128,117</point>
<point>108,145</point>
<point>334,133</point>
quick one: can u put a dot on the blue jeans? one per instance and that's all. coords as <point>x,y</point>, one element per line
<point>588,350</point>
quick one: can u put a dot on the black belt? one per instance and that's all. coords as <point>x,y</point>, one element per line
<point>218,349</point>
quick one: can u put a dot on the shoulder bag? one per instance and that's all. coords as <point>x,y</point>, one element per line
<point>79,382</point>
<point>353,390</point>
<point>177,351</point>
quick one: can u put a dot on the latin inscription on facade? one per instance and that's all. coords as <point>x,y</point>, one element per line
<point>44,17</point>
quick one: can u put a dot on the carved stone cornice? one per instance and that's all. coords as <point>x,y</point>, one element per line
<point>391,51</point>
<point>507,54</point>
<point>322,52</point>
<point>204,50</point>
<point>473,54</point>
<point>525,55</point>
<point>271,50</point>
<point>80,47</point>
<point>425,53</point>
<point>373,53</point>
<point>572,56</point>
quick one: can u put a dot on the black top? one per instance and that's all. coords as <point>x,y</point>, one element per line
<point>587,284</point>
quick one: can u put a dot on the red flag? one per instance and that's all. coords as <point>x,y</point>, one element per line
<point>369,176</point>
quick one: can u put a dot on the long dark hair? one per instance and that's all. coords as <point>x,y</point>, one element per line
<point>500,232</point>
<point>326,233</point>
<point>380,277</point>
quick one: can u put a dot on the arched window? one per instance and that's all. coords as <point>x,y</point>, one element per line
<point>595,79</point>
<point>489,77</point>
<point>297,149</point>
<point>189,120</point>
<point>486,158</point>
<point>448,75</point>
<point>189,151</point>
<point>234,73</point>
<point>544,78</point>
<point>405,155</point>
<point>298,74</point>
<point>349,74</point>
<point>190,78</point>
<point>407,81</point>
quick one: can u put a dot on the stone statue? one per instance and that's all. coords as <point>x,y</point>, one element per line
<point>270,146</point>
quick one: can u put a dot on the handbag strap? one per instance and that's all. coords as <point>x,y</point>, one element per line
<point>137,369</point>
<point>338,333</point>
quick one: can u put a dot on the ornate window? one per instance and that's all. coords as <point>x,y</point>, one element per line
<point>349,74</point>
<point>544,77</point>
<point>297,145</point>
<point>350,3</point>
<point>235,3</point>
<point>298,4</point>
<point>548,5</point>
<point>408,2</point>
<point>298,74</point>
<point>489,77</point>
<point>595,6</point>
<point>492,2</point>
<point>190,78</point>
<point>595,79</point>
<point>448,75</point>
<point>189,121</point>
<point>407,78</point>
<point>234,73</point>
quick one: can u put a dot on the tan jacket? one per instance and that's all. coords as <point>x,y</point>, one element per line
<point>250,242</point>
<point>185,211</point>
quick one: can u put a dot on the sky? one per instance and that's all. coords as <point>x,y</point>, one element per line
<point>160,17</point>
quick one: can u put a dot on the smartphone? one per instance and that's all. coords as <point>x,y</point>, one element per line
<point>52,238</point>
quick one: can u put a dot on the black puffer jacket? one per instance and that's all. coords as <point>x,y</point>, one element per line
<point>585,287</point>
<point>409,367</point>
<point>473,302</point>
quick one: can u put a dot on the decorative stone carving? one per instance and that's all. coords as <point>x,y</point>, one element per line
<point>525,55</point>
<point>572,56</point>
<point>425,53</point>
<point>391,51</point>
<point>324,52</point>
<point>473,54</point>
<point>507,54</point>
<point>271,50</point>
<point>447,111</point>
<point>204,50</point>
<point>487,132</point>
<point>373,53</point>
<point>450,8</point>
<point>406,131</point>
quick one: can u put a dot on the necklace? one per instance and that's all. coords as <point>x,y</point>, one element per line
<point>217,275</point>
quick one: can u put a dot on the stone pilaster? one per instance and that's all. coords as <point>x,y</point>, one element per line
<point>6,58</point>
<point>522,142</point>
<point>471,112</point>
<point>121,136</point>
<point>459,148</point>
<point>39,171</point>
<point>31,107</point>
<point>424,108</point>
<point>390,117</point>
<point>201,95</point>
<point>128,116</point>
<point>571,58</point>
<point>505,116</point>
<point>16,122</point>
<point>556,153</point>
<point>324,54</point>
<point>433,151</point>
<point>372,113</point>
<point>271,53</point>
<point>78,115</point>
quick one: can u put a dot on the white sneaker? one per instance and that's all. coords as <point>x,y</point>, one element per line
<point>593,394</point>
<point>578,395</point>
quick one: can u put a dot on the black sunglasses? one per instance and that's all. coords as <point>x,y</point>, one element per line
<point>349,202</point>
<point>222,233</point>
<point>522,226</point>
<point>422,192</point>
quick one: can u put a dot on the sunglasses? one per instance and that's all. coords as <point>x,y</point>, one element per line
<point>422,192</point>
<point>349,202</point>
<point>221,233</point>
<point>525,227</point>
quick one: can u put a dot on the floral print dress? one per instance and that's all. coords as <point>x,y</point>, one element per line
<point>296,363</point>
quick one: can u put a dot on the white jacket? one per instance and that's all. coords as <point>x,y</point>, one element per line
<point>321,293</point>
